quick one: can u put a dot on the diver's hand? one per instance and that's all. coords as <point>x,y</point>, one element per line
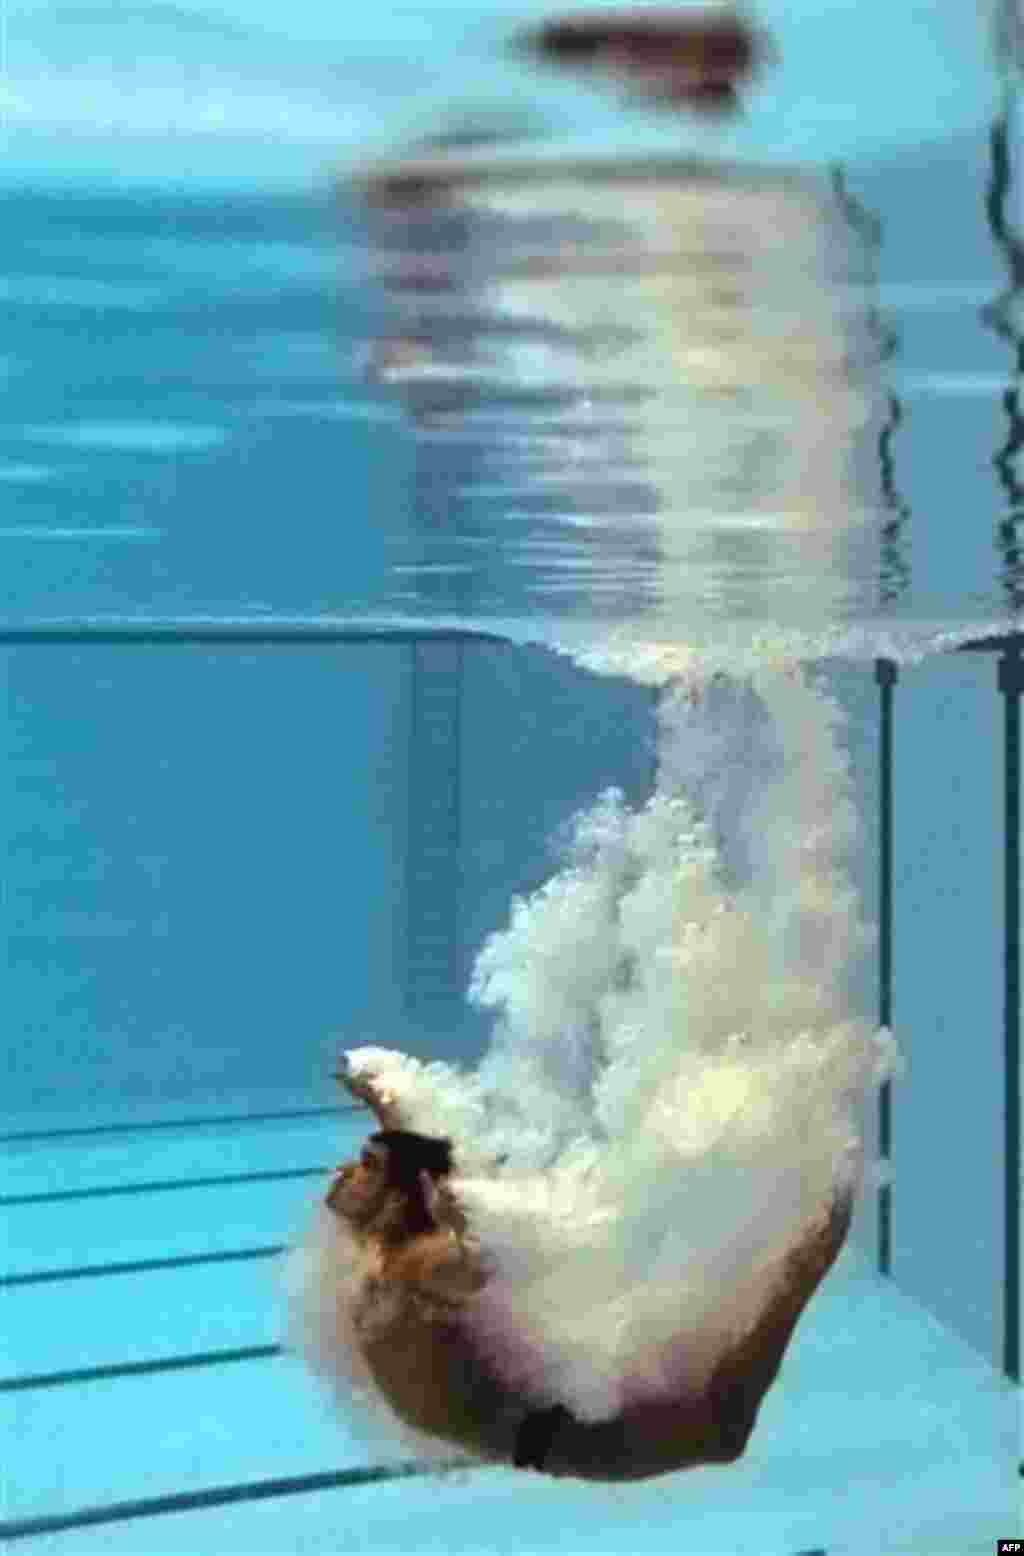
<point>365,1087</point>
<point>442,1205</point>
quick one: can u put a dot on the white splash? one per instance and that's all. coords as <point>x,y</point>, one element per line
<point>678,1065</point>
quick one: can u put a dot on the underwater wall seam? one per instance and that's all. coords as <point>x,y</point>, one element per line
<point>886,674</point>
<point>270,634</point>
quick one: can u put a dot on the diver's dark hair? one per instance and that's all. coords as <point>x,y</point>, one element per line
<point>411,1154</point>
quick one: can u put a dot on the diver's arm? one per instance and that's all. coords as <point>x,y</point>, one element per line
<point>438,1265</point>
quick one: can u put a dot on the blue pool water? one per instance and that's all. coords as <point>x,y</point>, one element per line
<point>228,856</point>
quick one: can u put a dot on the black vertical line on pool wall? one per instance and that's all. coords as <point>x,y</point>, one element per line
<point>1010,648</point>
<point>1011,683</point>
<point>886,674</point>
<point>655,758</point>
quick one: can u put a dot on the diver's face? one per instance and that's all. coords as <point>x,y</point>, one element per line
<point>360,1188</point>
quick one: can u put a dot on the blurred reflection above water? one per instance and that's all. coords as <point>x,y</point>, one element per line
<point>686,57</point>
<point>663,378</point>
<point>894,561</point>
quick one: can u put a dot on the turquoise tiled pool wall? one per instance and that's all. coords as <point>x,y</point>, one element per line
<point>948,1111</point>
<point>948,1141</point>
<point>225,863</point>
<point>216,860</point>
<point>222,864</point>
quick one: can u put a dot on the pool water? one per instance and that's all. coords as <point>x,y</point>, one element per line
<point>355,548</point>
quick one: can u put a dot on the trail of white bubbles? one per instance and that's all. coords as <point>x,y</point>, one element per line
<point>678,1064</point>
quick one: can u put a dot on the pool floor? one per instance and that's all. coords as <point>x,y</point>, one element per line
<point>149,1408</point>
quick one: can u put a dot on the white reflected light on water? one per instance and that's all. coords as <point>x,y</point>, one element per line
<point>661,385</point>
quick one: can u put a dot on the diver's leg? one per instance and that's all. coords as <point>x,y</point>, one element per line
<point>741,1380</point>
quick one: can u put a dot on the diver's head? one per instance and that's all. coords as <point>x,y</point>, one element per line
<point>382,1191</point>
<point>410,1154</point>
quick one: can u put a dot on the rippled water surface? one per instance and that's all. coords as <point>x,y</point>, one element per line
<point>681,396</point>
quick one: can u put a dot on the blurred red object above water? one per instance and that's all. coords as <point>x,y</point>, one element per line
<point>686,57</point>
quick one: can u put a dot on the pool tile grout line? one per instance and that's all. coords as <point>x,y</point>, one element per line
<point>160,1186</point>
<point>41,1380</point>
<point>218,1496</point>
<point>139,1266</point>
<point>32,1136</point>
